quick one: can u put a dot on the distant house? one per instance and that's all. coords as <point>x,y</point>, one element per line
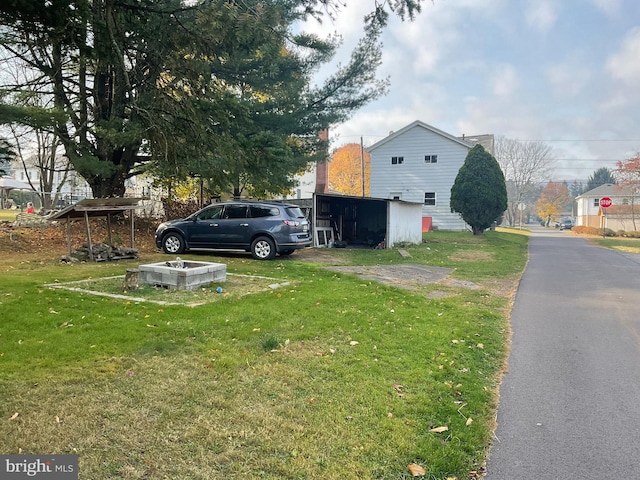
<point>623,214</point>
<point>419,163</point>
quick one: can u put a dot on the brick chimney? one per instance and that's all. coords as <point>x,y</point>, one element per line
<point>322,167</point>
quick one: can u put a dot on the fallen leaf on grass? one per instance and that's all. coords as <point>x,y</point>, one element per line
<point>469,421</point>
<point>416,470</point>
<point>151,326</point>
<point>439,429</point>
<point>14,416</point>
<point>353,343</point>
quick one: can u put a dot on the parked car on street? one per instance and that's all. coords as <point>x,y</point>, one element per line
<point>566,224</point>
<point>262,228</point>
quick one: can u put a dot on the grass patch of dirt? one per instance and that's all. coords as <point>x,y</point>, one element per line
<point>471,256</point>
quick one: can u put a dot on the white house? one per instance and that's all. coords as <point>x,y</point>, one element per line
<point>419,163</point>
<point>623,214</point>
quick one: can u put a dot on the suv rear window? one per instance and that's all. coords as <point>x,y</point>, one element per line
<point>295,212</point>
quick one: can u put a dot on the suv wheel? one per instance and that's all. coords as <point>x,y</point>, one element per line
<point>173,243</point>
<point>263,248</point>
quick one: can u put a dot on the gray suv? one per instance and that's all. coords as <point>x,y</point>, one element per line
<point>262,228</point>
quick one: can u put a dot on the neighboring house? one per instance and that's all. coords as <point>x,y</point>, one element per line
<point>71,189</point>
<point>623,214</point>
<point>419,163</point>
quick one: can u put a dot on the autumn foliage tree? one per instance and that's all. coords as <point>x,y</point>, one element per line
<point>552,201</point>
<point>346,170</point>
<point>628,175</point>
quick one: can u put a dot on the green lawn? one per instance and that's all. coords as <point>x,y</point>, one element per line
<point>8,215</point>
<point>624,244</point>
<point>327,376</point>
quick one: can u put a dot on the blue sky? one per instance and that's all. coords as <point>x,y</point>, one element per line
<point>566,72</point>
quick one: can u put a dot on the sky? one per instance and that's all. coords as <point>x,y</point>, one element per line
<point>564,72</point>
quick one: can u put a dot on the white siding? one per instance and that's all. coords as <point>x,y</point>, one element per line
<point>414,177</point>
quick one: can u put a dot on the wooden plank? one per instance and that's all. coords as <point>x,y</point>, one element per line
<point>86,221</point>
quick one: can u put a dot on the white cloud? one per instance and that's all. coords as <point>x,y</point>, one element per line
<point>400,108</point>
<point>541,15</point>
<point>608,7</point>
<point>624,65</point>
<point>505,82</point>
<point>567,80</point>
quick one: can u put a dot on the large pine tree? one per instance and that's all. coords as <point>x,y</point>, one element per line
<point>479,193</point>
<point>601,176</point>
<point>217,89</point>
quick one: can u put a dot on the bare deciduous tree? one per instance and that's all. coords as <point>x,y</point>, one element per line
<point>36,147</point>
<point>525,164</point>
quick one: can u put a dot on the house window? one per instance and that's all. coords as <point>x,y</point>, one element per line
<point>596,202</point>
<point>397,160</point>
<point>431,159</point>
<point>430,198</point>
<point>625,201</point>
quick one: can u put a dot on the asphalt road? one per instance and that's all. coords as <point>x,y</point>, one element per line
<point>570,402</point>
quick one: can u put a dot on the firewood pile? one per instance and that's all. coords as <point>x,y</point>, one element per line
<point>103,252</point>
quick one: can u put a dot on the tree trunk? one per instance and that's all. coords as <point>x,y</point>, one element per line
<point>108,186</point>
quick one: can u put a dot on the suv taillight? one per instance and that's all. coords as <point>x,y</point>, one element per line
<point>291,223</point>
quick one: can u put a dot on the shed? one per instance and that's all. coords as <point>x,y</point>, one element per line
<point>365,221</point>
<point>98,207</point>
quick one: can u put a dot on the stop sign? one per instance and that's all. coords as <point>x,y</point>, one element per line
<point>605,202</point>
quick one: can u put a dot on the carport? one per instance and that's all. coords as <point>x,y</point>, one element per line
<point>341,220</point>
<point>98,207</point>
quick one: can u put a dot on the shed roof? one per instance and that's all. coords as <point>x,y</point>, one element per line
<point>96,207</point>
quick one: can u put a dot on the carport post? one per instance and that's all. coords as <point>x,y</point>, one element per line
<point>86,220</point>
<point>132,229</point>
<point>69,234</point>
<point>109,228</point>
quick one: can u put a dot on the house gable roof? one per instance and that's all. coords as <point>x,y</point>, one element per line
<point>607,190</point>
<point>420,124</point>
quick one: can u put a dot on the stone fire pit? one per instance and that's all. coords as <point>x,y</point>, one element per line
<point>182,275</point>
